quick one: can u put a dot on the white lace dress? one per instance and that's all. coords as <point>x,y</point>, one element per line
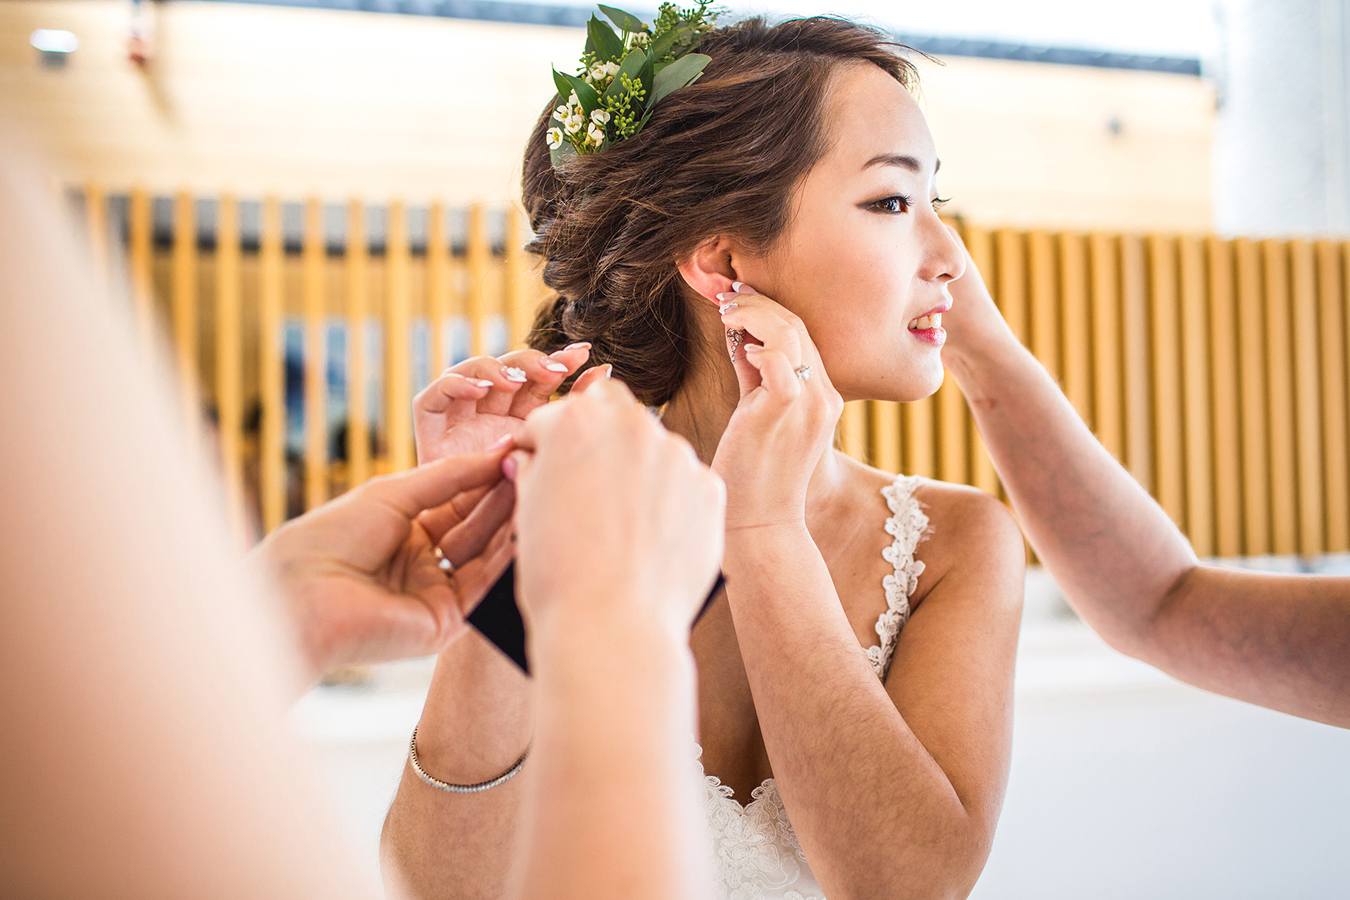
<point>754,848</point>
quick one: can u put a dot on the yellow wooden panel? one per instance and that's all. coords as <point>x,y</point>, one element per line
<point>1108,405</point>
<point>358,367</point>
<point>1076,352</point>
<point>438,288</point>
<point>140,259</point>
<point>184,300</point>
<point>1227,433</point>
<point>1169,463</point>
<point>271,375</point>
<point>479,255</point>
<point>1335,449</point>
<point>398,369</point>
<point>313,254</point>
<point>1195,380</point>
<point>1307,400</point>
<point>884,434</point>
<point>981,246</point>
<point>229,362</point>
<point>1043,295</point>
<point>919,438</point>
<point>519,299</point>
<point>1280,398</point>
<point>1252,364</point>
<point>1010,284</point>
<point>96,230</point>
<point>1134,313</point>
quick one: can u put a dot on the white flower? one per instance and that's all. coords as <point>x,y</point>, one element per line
<point>596,133</point>
<point>601,71</point>
<point>611,69</point>
<point>600,116</point>
<point>554,138</point>
<point>561,113</point>
<point>574,123</point>
<point>573,100</point>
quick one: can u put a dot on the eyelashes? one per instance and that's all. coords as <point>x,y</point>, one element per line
<point>901,203</point>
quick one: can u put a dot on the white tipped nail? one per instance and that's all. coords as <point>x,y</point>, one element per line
<point>481,382</point>
<point>609,369</point>
<point>737,285</point>
<point>726,308</point>
<point>577,346</point>
<point>555,367</point>
<point>514,374</point>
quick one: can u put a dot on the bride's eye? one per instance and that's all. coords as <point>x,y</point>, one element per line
<point>894,205</point>
<point>939,202</point>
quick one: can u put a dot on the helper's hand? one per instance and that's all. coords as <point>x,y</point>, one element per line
<point>617,521</point>
<point>361,577</point>
<point>974,324</point>
<point>783,424</point>
<point>481,400</point>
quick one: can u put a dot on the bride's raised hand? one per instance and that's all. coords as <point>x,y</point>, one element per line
<point>786,417</point>
<point>475,403</point>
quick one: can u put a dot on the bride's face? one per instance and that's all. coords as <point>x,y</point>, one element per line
<point>864,255</point>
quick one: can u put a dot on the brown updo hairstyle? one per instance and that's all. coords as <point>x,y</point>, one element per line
<point>721,156</point>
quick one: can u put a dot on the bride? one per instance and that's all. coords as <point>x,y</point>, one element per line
<point>767,247</point>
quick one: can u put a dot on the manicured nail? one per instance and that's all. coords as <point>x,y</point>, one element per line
<point>579,345</point>
<point>741,287</point>
<point>500,442</point>
<point>723,298</point>
<point>753,348</point>
<point>555,367</point>
<point>514,374</point>
<point>481,382</point>
<point>609,369</point>
<point>509,468</point>
<point>727,307</point>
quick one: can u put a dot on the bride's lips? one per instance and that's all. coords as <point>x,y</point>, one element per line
<point>928,327</point>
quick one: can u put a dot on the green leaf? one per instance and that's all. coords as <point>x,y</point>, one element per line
<point>564,86</point>
<point>602,41</point>
<point>589,97</point>
<point>562,154</point>
<point>631,66</point>
<point>662,45</point>
<point>681,73</point>
<point>626,21</point>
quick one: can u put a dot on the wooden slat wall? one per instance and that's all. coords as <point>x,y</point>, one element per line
<point>1217,371</point>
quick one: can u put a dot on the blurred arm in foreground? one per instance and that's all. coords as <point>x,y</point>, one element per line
<point>1279,641</point>
<point>144,684</point>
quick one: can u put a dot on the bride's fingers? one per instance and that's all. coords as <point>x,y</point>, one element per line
<point>778,374</point>
<point>770,325</point>
<point>451,387</point>
<point>545,374</point>
<point>747,376</point>
<point>591,376</point>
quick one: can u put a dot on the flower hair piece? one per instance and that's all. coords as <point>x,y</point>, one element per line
<point>623,75</point>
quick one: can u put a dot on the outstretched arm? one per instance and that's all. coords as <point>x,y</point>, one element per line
<point>1277,641</point>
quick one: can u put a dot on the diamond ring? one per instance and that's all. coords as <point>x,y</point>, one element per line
<point>803,372</point>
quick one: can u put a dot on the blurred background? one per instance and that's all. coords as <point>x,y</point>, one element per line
<point>313,205</point>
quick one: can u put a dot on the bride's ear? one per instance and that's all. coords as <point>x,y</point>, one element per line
<point>708,270</point>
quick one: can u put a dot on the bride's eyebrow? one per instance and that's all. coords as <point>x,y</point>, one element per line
<point>901,160</point>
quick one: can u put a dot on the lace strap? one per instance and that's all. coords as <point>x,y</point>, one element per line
<point>907,525</point>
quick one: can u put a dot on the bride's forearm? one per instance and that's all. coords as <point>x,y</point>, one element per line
<point>834,736</point>
<point>476,722</point>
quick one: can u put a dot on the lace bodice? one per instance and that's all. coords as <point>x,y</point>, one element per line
<point>754,847</point>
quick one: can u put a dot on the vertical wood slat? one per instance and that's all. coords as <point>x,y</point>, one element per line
<point>184,302</point>
<point>140,261</point>
<point>1043,293</point>
<point>1307,399</point>
<point>1076,349</point>
<point>398,320</point>
<point>1108,409</point>
<point>1335,449</point>
<point>1135,360</point>
<point>313,257</point>
<point>884,425</point>
<point>96,230</point>
<point>229,362</point>
<point>1010,287</point>
<point>271,358</point>
<point>438,288</point>
<point>952,440</point>
<point>1169,464</point>
<point>1225,420</point>
<point>358,367</point>
<point>1252,365</point>
<point>516,283</point>
<point>1280,400</point>
<point>1196,393</point>
<point>980,244</point>
<point>853,430</point>
<point>478,252</point>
